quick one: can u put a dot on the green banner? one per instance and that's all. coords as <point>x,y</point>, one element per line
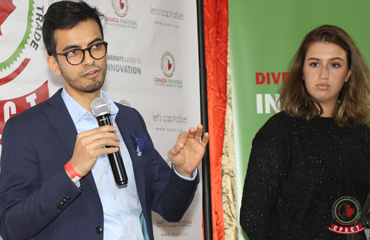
<point>264,36</point>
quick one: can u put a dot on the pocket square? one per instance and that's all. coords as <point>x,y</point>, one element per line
<point>142,144</point>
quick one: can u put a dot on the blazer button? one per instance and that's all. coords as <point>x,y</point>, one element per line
<point>99,229</point>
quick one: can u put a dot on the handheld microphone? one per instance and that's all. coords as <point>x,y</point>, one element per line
<point>100,108</point>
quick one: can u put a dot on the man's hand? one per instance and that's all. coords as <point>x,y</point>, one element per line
<point>91,144</point>
<point>188,151</point>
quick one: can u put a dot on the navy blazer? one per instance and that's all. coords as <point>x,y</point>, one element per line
<point>39,201</point>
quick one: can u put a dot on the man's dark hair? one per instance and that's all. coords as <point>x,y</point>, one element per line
<point>66,15</point>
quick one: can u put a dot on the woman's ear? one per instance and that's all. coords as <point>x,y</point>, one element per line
<point>53,65</point>
<point>348,75</point>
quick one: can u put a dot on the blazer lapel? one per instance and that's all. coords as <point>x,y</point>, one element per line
<point>125,126</point>
<point>62,122</point>
<point>63,125</point>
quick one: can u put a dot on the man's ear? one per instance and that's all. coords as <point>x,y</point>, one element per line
<point>53,65</point>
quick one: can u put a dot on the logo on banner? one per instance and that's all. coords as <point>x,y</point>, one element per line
<point>125,103</point>
<point>10,17</point>
<point>346,211</point>
<point>6,8</point>
<point>11,61</point>
<point>168,64</point>
<point>17,48</point>
<point>168,70</point>
<point>120,7</point>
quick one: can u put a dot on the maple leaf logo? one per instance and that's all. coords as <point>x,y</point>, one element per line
<point>6,8</point>
<point>350,211</point>
<point>169,64</point>
<point>122,4</point>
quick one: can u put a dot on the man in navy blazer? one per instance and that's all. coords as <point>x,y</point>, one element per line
<point>48,187</point>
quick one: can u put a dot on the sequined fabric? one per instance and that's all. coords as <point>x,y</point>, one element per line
<point>297,170</point>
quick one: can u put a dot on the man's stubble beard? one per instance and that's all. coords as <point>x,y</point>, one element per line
<point>94,86</point>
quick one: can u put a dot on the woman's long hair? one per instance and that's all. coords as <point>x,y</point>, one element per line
<point>354,99</point>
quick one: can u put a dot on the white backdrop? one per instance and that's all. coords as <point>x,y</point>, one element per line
<point>153,66</point>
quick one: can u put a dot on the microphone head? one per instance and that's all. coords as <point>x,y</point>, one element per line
<point>100,106</point>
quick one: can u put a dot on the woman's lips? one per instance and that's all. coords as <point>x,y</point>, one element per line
<point>322,86</point>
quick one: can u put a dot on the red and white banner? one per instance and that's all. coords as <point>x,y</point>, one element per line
<point>14,106</point>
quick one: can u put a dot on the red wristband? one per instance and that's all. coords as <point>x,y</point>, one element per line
<point>72,172</point>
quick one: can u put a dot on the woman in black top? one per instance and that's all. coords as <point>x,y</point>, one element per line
<point>317,150</point>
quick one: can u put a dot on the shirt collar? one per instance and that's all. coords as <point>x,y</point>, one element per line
<point>77,111</point>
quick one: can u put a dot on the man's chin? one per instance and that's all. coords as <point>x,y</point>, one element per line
<point>96,86</point>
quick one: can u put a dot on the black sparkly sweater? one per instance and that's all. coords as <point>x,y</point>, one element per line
<point>297,170</point>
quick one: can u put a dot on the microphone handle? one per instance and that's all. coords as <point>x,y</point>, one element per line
<point>115,159</point>
<point>118,168</point>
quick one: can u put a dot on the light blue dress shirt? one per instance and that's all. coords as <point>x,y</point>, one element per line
<point>123,219</point>
<point>121,205</point>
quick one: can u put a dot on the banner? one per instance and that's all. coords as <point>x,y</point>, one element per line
<point>264,36</point>
<point>152,65</point>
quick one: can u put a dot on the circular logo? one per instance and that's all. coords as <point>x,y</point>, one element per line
<point>168,64</point>
<point>120,7</point>
<point>19,17</point>
<point>125,103</point>
<point>346,210</point>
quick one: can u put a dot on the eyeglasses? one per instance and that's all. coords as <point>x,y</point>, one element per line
<point>77,56</point>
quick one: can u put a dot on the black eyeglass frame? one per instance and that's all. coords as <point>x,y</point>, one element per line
<point>83,52</point>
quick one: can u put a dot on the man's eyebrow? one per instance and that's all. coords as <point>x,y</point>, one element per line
<point>98,39</point>
<point>68,47</point>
